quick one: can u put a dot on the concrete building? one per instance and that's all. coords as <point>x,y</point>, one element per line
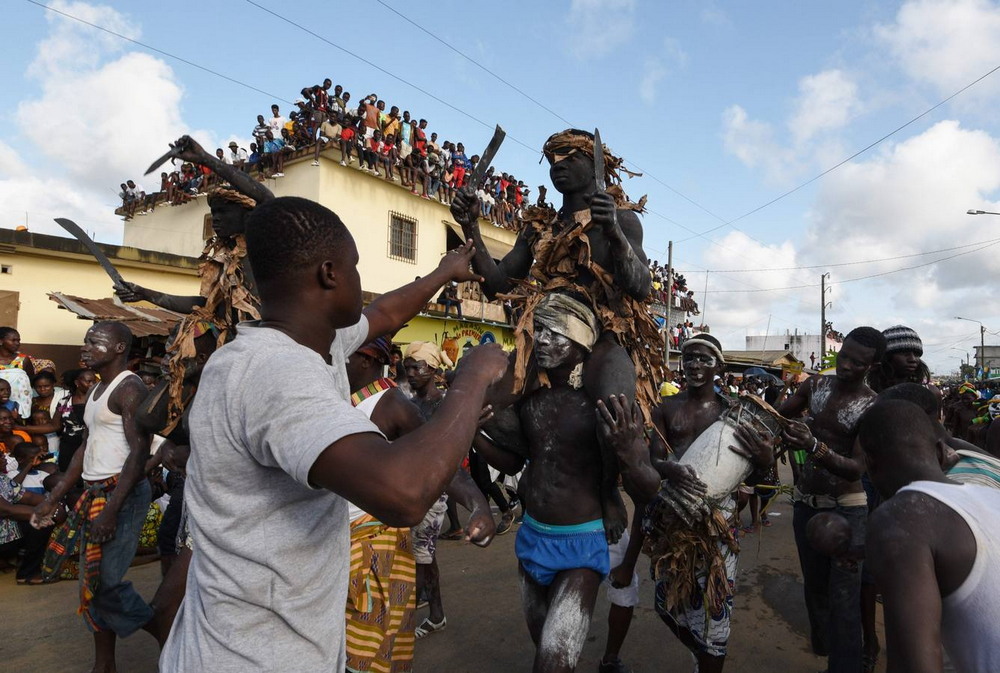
<point>801,346</point>
<point>34,265</point>
<point>990,357</point>
<point>399,236</point>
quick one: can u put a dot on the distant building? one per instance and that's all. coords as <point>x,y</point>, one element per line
<point>801,346</point>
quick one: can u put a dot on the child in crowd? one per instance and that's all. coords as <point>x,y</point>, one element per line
<point>31,467</point>
<point>5,401</point>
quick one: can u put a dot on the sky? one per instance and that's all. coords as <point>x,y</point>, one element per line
<point>724,107</point>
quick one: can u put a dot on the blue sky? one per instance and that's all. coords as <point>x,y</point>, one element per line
<point>729,104</point>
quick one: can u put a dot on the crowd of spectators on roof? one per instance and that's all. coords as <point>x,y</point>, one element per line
<point>676,288</point>
<point>392,145</point>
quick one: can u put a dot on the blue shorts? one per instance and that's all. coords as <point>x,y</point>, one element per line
<point>545,550</point>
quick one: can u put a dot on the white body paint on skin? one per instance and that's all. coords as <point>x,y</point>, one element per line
<point>566,626</point>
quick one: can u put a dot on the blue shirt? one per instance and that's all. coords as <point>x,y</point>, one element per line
<point>272,146</point>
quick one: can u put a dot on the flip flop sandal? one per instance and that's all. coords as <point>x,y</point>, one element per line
<point>456,534</point>
<point>428,627</point>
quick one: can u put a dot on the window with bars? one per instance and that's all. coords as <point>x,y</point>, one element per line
<point>402,237</point>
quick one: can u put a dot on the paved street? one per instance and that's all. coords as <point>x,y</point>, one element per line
<point>486,631</point>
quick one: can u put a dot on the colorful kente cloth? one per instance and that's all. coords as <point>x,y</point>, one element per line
<point>373,388</point>
<point>65,540</point>
<point>381,598</point>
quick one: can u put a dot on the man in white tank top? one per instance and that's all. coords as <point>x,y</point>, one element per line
<point>111,462</point>
<point>931,547</point>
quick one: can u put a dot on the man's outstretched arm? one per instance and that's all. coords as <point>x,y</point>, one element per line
<point>517,262</point>
<point>393,309</point>
<point>398,482</point>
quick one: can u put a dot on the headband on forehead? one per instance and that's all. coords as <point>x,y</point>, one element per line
<point>569,317</point>
<point>700,341</point>
<point>572,140</point>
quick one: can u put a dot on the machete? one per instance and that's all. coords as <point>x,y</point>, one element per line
<point>487,158</point>
<point>80,235</point>
<point>171,154</point>
<point>599,162</point>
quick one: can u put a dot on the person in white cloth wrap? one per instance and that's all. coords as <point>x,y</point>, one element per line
<point>694,566</point>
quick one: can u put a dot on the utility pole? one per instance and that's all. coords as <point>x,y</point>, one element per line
<point>982,352</point>
<point>670,301</point>
<point>822,315</point>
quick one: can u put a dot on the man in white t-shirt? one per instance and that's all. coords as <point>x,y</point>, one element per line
<point>278,450</point>
<point>276,122</point>
<point>932,547</point>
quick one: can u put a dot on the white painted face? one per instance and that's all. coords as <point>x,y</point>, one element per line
<point>551,349</point>
<point>98,345</point>
<point>700,365</point>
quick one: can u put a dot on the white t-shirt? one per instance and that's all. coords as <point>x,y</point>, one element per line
<point>267,587</point>
<point>276,124</point>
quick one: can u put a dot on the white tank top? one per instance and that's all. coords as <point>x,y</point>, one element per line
<point>970,614</point>
<point>366,405</point>
<point>106,446</point>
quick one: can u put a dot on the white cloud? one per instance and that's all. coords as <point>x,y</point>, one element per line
<point>946,43</point>
<point>599,26</point>
<point>753,142</point>
<point>714,15</point>
<point>102,114</point>
<point>657,66</point>
<point>827,101</point>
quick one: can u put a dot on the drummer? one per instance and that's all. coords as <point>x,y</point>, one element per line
<point>680,419</point>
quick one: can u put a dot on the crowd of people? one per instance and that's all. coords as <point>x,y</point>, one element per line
<point>391,145</point>
<point>312,514</point>
<point>42,426</point>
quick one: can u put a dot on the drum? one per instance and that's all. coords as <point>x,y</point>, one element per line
<point>721,469</point>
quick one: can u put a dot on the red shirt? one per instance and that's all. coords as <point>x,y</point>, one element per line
<point>347,133</point>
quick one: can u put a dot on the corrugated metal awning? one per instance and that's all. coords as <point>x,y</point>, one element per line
<point>143,321</point>
<point>498,249</point>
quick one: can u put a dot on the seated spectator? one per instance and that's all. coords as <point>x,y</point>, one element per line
<point>347,142</point>
<point>237,155</point>
<point>32,468</point>
<point>128,201</point>
<point>17,537</point>
<point>255,159</point>
<point>388,155</point>
<point>5,401</point>
<point>222,156</point>
<point>449,297</point>
<point>190,180</point>
<point>9,438</point>
<point>372,151</point>
<point>274,157</point>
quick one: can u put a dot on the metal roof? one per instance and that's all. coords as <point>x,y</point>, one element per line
<point>143,321</point>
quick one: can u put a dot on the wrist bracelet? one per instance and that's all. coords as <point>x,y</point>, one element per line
<point>812,449</point>
<point>821,451</point>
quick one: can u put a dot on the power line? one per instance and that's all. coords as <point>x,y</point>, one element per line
<point>860,278</point>
<point>159,51</point>
<point>555,114</point>
<point>854,263</point>
<point>853,156</point>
